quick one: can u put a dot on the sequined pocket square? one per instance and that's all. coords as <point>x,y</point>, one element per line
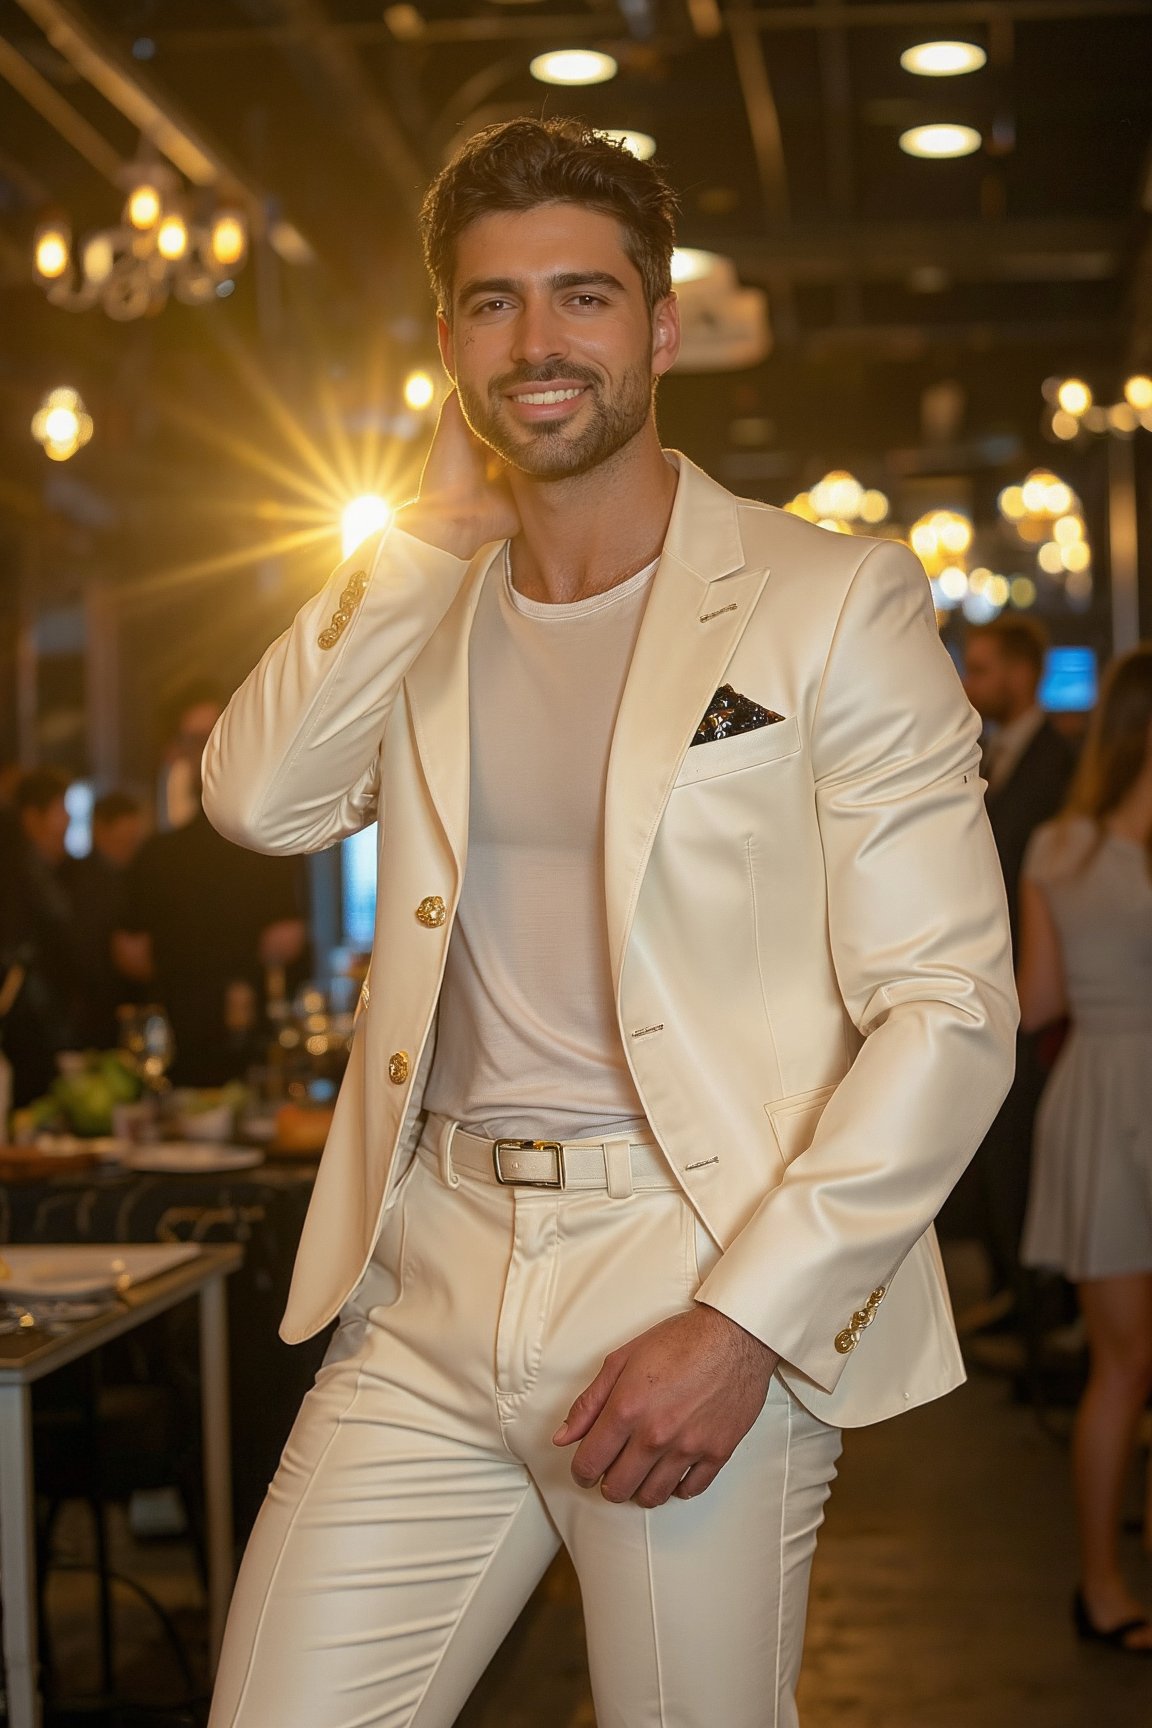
<point>729,713</point>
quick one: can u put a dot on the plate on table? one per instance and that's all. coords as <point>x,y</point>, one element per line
<point>193,1158</point>
<point>77,1272</point>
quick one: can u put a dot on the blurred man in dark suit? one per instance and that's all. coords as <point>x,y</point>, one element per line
<point>38,935</point>
<point>1027,764</point>
<point>98,887</point>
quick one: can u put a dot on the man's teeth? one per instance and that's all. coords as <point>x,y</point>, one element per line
<point>542,397</point>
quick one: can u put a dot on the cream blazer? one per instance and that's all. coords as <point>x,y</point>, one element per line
<point>807,922</point>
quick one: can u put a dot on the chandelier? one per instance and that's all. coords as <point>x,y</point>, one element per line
<point>162,246</point>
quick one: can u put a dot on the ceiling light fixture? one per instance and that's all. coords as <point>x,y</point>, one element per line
<point>943,59</point>
<point>167,242</point>
<point>940,141</point>
<point>573,66</point>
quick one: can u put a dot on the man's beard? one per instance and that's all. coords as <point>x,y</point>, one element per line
<point>552,450</point>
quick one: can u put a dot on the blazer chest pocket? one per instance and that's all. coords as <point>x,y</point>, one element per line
<point>795,1120</point>
<point>746,750</point>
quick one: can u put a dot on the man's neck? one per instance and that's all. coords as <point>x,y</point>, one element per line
<point>582,536</point>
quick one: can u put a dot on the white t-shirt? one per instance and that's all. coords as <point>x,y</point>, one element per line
<point>528,1042</point>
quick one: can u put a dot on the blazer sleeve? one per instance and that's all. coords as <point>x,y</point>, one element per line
<point>292,764</point>
<point>918,927</point>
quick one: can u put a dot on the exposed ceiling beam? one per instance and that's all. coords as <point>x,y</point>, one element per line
<point>903,342</point>
<point>768,148</point>
<point>358,100</point>
<point>59,113</point>
<point>77,41</point>
<point>1020,250</point>
<point>580,26</point>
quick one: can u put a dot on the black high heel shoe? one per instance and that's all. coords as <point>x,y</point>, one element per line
<point>1114,1638</point>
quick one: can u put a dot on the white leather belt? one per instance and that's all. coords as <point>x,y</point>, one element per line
<point>561,1164</point>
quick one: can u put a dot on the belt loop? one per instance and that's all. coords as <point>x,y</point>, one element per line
<point>618,1166</point>
<point>444,1141</point>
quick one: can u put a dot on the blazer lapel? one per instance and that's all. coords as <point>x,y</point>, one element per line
<point>437,687</point>
<point>700,602</point>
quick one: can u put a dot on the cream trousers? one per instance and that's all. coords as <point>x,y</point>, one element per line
<point>420,1498</point>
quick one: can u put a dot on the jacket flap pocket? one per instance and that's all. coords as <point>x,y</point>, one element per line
<point>745,750</point>
<point>794,1119</point>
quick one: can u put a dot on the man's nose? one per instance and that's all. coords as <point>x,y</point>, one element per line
<point>539,334</point>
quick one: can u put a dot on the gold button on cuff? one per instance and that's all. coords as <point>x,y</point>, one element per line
<point>431,912</point>
<point>398,1067</point>
<point>846,1342</point>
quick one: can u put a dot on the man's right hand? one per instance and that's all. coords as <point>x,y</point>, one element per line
<point>464,500</point>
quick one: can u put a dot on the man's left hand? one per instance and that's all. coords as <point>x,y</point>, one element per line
<point>668,1409</point>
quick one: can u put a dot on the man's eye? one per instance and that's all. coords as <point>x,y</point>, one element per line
<point>489,306</point>
<point>589,300</point>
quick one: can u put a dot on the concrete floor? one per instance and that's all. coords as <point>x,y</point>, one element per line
<point>940,1596</point>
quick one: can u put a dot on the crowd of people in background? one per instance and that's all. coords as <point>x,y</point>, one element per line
<point>1064,1177</point>
<point>160,909</point>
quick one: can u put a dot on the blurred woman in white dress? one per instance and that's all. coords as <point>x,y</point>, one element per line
<point>1086,951</point>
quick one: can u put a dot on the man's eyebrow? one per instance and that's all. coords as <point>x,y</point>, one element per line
<point>563,279</point>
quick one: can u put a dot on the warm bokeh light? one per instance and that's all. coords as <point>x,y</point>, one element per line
<point>363,516</point>
<point>940,539</point>
<point>838,495</point>
<point>1066,530</point>
<point>419,390</point>
<point>573,66</point>
<point>953,582</point>
<point>98,258</point>
<point>690,264</point>
<point>1076,557</point>
<point>229,238</point>
<point>52,251</point>
<point>61,424</point>
<point>1074,396</point>
<point>639,144</point>
<point>1138,392</point>
<point>1022,592</point>
<point>940,140</point>
<point>1011,503</point>
<point>144,206</point>
<point>1050,558</point>
<point>873,506</point>
<point>1065,425</point>
<point>943,59</point>
<point>172,238</point>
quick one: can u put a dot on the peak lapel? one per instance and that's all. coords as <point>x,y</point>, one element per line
<point>700,601</point>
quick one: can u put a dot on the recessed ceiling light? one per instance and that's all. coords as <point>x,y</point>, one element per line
<point>940,140</point>
<point>641,144</point>
<point>573,66</point>
<point>943,59</point>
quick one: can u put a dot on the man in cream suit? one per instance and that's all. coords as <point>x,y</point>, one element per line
<point>691,999</point>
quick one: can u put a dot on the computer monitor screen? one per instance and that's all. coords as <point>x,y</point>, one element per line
<point>1069,682</point>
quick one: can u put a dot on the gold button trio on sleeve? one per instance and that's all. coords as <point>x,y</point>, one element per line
<point>349,600</point>
<point>847,1340</point>
<point>431,912</point>
<point>398,1067</point>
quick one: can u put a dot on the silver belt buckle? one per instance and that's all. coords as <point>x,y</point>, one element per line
<point>511,1180</point>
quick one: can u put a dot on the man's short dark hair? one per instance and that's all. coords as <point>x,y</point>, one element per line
<point>40,788</point>
<point>114,806</point>
<point>1024,640</point>
<point>522,163</point>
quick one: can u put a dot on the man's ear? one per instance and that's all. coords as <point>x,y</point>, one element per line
<point>665,334</point>
<point>444,339</point>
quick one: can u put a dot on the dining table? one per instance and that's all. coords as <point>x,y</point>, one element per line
<point>145,1282</point>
